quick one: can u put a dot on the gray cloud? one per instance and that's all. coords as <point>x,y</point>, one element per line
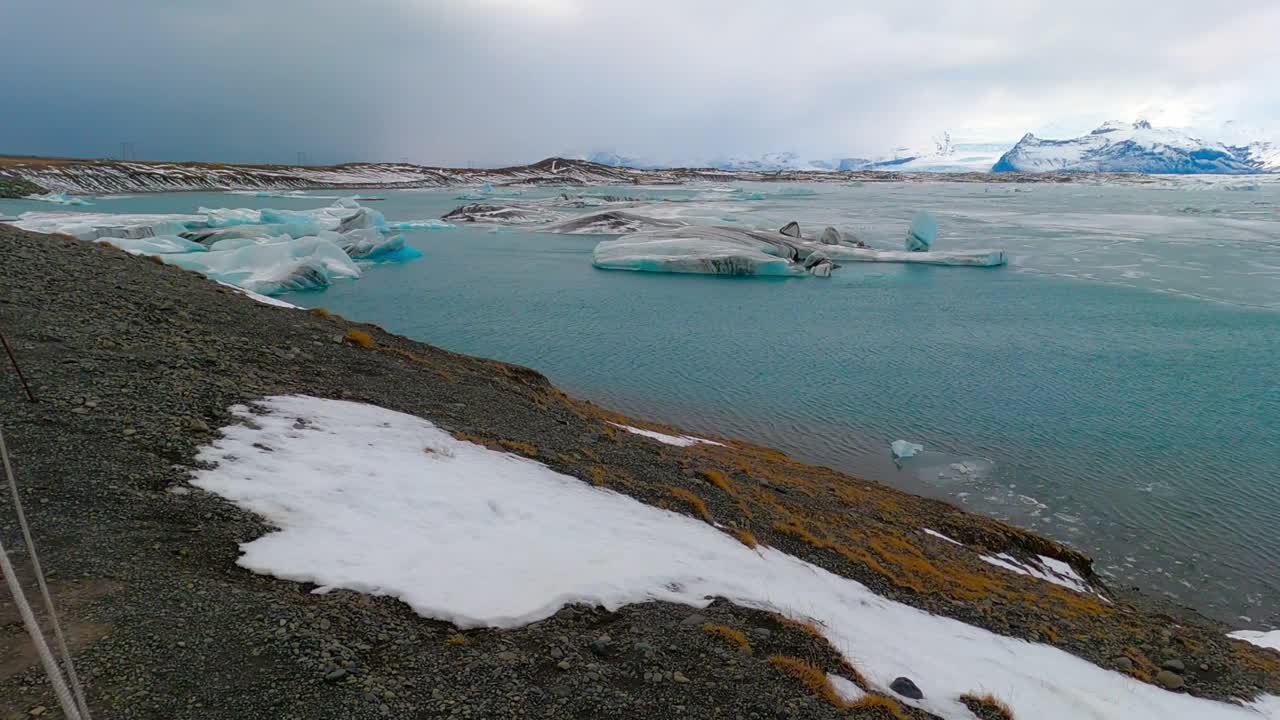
<point>491,81</point>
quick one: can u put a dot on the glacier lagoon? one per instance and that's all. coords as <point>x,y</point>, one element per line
<point>1114,386</point>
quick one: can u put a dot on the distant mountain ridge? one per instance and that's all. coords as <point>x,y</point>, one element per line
<point>1139,148</point>
<point>942,155</point>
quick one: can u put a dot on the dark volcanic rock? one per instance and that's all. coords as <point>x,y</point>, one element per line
<point>906,688</point>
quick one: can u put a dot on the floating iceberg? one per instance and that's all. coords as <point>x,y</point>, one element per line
<point>923,231</point>
<point>722,250</point>
<point>309,263</point>
<point>611,222</point>
<point>904,449</point>
<point>501,214</point>
<point>157,245</point>
<point>265,251</point>
<point>706,250</point>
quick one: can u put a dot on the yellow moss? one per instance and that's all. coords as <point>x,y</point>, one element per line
<point>693,501</point>
<point>737,637</point>
<point>361,338</point>
<point>456,639</point>
<point>988,705</point>
<point>319,312</point>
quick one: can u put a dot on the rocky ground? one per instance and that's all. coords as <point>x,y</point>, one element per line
<point>134,364</point>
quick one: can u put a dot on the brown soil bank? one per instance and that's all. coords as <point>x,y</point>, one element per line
<point>134,362</point>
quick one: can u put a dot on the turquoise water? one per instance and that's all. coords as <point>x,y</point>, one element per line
<point>1115,388</point>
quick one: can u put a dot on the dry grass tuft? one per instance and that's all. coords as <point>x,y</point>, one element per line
<point>597,474</point>
<point>808,628</point>
<point>361,338</point>
<point>717,478</point>
<point>737,637</point>
<point>522,448</point>
<point>693,501</point>
<point>886,706</point>
<point>811,676</point>
<point>745,538</point>
<point>456,640</point>
<point>986,707</point>
<point>320,312</point>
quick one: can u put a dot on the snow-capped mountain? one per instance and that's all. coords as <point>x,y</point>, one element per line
<point>1138,148</point>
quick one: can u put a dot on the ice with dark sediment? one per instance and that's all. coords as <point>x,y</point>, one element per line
<point>501,214</point>
<point>610,222</point>
<point>721,250</point>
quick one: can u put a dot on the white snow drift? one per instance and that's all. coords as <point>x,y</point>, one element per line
<point>377,501</point>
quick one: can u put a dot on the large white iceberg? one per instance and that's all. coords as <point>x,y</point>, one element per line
<point>704,250</point>
<point>723,250</point>
<point>309,263</point>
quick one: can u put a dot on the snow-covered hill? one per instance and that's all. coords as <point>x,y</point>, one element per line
<point>1138,148</point>
<point>942,154</point>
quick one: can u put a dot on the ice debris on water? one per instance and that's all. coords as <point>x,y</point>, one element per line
<point>904,449</point>
<point>59,199</point>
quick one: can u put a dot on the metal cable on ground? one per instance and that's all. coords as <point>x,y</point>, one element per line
<point>14,361</point>
<point>79,709</point>
<point>42,648</point>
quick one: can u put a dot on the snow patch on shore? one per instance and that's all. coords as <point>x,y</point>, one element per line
<point>677,440</point>
<point>1269,639</point>
<point>377,501</point>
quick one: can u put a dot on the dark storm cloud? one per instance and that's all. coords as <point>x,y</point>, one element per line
<point>492,81</point>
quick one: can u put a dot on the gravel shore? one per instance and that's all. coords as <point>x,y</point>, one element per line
<point>134,365</point>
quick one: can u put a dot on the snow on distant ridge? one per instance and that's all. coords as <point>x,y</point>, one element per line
<point>1139,148</point>
<point>942,154</point>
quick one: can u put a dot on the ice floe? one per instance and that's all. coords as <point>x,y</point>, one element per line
<point>722,250</point>
<point>610,222</point>
<point>904,449</point>
<point>372,500</point>
<point>266,251</point>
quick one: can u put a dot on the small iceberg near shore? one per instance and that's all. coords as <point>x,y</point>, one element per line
<point>903,449</point>
<point>264,251</point>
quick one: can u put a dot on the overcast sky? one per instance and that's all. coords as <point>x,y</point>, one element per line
<point>507,81</point>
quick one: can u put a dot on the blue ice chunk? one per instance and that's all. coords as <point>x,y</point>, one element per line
<point>904,449</point>
<point>924,230</point>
